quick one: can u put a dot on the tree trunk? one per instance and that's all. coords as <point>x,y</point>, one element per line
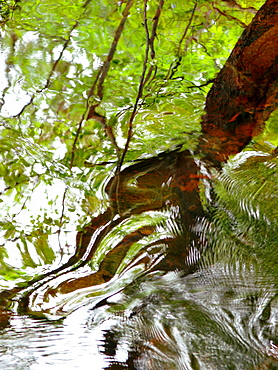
<point>245,91</point>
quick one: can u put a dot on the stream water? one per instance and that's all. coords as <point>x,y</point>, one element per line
<point>136,126</point>
<point>223,317</point>
<point>183,292</point>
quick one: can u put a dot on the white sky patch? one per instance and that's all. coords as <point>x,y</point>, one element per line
<point>97,61</point>
<point>44,201</point>
<point>37,204</point>
<point>3,78</point>
<point>15,101</point>
<point>39,168</point>
<point>60,149</point>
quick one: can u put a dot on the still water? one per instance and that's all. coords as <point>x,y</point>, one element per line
<point>180,272</point>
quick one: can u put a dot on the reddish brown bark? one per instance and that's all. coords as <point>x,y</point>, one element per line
<point>245,91</point>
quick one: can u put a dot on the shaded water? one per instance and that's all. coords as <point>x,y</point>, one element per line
<point>171,286</point>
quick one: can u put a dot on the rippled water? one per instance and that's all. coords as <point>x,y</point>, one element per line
<point>38,344</point>
<point>221,318</point>
<point>164,283</point>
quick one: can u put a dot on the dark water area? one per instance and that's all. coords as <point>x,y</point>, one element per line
<point>179,273</point>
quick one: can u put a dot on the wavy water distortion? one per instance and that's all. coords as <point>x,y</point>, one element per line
<point>180,270</point>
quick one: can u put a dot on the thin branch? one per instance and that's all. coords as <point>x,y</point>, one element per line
<point>149,46</point>
<point>86,4</point>
<point>61,219</point>
<point>177,62</point>
<point>187,28</point>
<point>203,85</point>
<point>151,41</point>
<point>230,17</point>
<point>102,73</point>
<point>48,80</point>
<point>154,28</point>
<point>234,4</point>
<point>113,48</point>
<point>97,87</point>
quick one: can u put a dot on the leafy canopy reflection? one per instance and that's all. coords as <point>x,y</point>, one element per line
<point>67,122</point>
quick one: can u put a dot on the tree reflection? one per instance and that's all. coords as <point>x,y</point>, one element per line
<point>147,245</point>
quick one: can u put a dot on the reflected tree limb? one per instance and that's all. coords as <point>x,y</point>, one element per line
<point>55,64</point>
<point>143,79</point>
<point>95,93</point>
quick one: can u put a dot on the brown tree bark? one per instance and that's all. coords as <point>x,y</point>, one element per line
<point>245,91</point>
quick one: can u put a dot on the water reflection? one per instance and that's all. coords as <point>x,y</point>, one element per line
<point>221,317</point>
<point>213,319</point>
<point>180,272</point>
<point>180,269</point>
<point>155,222</point>
<point>39,344</point>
